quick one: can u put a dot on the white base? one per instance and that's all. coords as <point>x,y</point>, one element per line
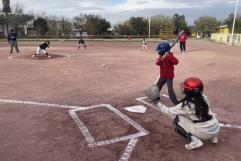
<point>136,109</point>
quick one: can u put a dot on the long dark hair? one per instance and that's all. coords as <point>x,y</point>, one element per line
<point>201,106</point>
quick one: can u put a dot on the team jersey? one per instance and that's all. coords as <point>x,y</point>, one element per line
<point>44,46</point>
<point>81,41</point>
<point>183,38</point>
<point>144,42</point>
<point>12,37</point>
<point>167,65</point>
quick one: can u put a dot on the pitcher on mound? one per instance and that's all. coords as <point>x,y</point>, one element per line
<point>41,49</point>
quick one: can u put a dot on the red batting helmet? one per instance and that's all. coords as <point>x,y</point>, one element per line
<point>192,85</point>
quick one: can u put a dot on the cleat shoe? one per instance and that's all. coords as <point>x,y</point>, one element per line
<point>214,140</point>
<point>194,144</point>
<point>33,55</point>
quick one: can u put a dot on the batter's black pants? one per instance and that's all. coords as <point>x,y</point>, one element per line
<point>171,91</point>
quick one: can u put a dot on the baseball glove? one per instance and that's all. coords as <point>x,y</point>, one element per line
<point>153,93</point>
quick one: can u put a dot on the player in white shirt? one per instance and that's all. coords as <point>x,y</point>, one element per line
<point>193,118</point>
<point>144,45</point>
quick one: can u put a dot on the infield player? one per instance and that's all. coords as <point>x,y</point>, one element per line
<point>192,117</point>
<point>81,43</point>
<point>166,61</point>
<point>41,49</point>
<point>12,40</point>
<point>144,45</point>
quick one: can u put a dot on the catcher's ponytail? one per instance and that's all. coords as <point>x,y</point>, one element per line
<point>201,106</point>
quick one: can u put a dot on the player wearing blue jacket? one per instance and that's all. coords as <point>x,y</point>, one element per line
<point>12,40</point>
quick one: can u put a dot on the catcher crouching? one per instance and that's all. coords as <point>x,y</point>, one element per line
<point>192,116</point>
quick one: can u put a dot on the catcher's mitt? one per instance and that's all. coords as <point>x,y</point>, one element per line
<point>153,93</point>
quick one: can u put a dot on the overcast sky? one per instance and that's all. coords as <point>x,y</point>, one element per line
<point>116,11</point>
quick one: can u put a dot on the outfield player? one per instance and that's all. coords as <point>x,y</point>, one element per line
<point>61,38</point>
<point>42,48</point>
<point>144,45</point>
<point>193,118</point>
<point>166,61</point>
<point>81,43</point>
<point>182,41</point>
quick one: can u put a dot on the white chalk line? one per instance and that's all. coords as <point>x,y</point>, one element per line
<point>118,139</point>
<point>143,101</point>
<point>89,138</point>
<point>91,141</point>
<point>130,147</point>
<point>40,104</point>
<point>230,126</point>
<point>127,119</point>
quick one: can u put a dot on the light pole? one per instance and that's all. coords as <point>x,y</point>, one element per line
<point>234,20</point>
<point>149,20</point>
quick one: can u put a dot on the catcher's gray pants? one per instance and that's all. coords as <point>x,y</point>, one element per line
<point>180,130</point>
<point>15,45</point>
<point>171,91</point>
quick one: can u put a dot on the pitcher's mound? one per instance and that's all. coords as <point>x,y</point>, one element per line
<point>39,57</point>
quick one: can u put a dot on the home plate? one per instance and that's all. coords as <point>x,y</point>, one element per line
<point>136,109</point>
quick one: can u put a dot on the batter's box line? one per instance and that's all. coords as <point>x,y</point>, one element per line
<point>133,138</point>
<point>39,104</point>
<point>144,101</point>
<point>90,139</point>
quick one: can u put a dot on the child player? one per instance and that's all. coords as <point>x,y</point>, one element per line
<point>182,41</point>
<point>81,43</point>
<point>144,45</point>
<point>192,117</point>
<point>42,48</point>
<point>166,61</point>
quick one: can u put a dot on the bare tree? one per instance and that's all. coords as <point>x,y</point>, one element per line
<point>6,6</point>
<point>18,8</point>
<point>6,9</point>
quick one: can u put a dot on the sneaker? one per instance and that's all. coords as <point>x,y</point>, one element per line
<point>214,140</point>
<point>194,144</point>
<point>49,56</point>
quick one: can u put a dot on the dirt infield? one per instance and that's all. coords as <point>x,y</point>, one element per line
<point>112,73</point>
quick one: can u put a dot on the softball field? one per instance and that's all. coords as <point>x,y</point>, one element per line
<point>71,107</point>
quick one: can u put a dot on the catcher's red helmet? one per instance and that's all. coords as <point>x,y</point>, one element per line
<point>192,85</point>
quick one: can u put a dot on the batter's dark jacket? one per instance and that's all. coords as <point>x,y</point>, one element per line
<point>167,66</point>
